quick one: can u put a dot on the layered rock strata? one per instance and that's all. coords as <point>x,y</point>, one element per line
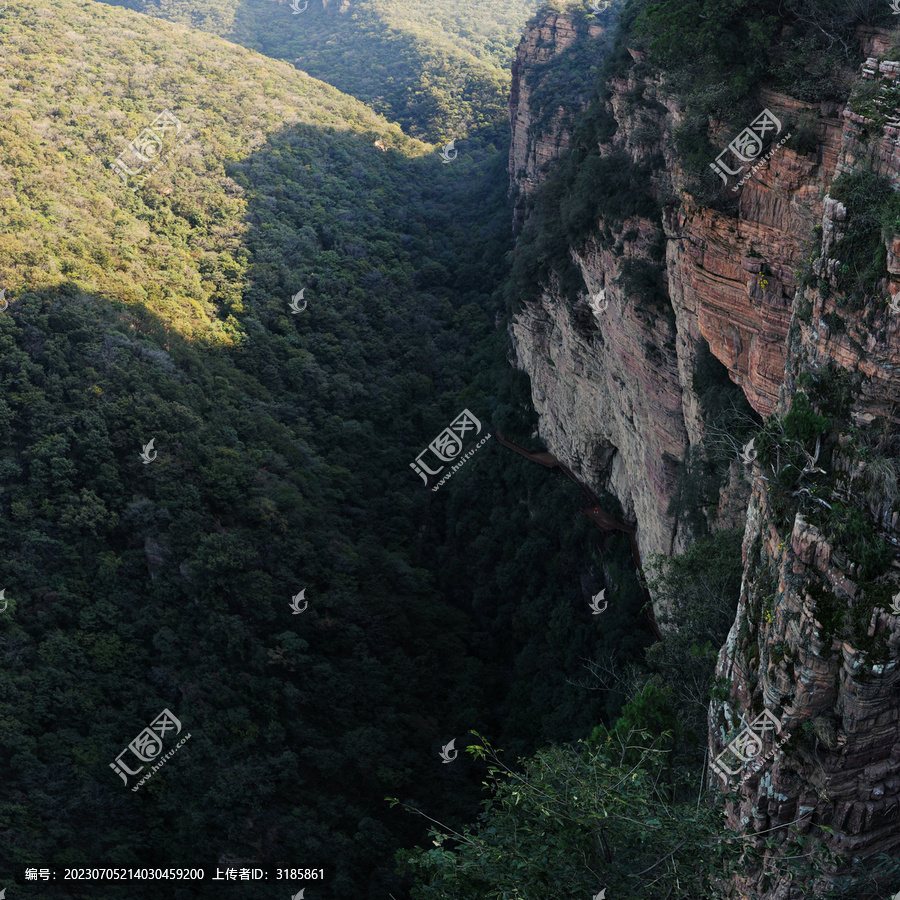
<point>815,641</point>
<point>616,398</point>
<point>612,379</point>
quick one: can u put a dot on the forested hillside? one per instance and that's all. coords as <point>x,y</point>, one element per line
<point>440,68</point>
<point>157,310</point>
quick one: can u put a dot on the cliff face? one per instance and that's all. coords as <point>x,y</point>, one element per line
<point>814,640</point>
<point>614,385</point>
<point>613,381</point>
<point>610,402</point>
<point>539,134</point>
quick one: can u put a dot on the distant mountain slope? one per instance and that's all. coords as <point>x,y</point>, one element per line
<point>440,68</point>
<point>85,109</point>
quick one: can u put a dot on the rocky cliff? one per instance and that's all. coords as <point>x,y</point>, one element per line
<point>767,283</point>
<point>540,131</point>
<point>612,376</point>
<point>815,640</point>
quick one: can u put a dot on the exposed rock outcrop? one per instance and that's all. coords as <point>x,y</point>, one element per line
<point>540,135</point>
<point>616,394</point>
<point>610,403</point>
<point>613,381</point>
<point>813,641</point>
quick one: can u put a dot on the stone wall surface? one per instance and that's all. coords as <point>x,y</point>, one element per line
<point>612,381</point>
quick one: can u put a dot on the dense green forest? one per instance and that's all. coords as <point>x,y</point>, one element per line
<point>157,309</point>
<point>439,68</point>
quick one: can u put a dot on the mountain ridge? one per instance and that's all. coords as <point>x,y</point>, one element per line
<point>415,66</point>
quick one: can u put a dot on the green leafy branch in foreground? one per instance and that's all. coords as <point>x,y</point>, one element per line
<point>610,813</point>
<point>617,812</point>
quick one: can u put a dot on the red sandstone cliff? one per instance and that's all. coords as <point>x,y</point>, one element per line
<point>812,641</point>
<point>613,386</point>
